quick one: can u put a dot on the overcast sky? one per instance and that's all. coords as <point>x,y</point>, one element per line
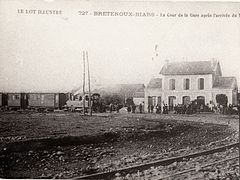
<point>44,52</point>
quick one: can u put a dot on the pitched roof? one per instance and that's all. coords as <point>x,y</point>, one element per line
<point>224,82</point>
<point>139,94</point>
<point>189,68</point>
<point>155,83</point>
<point>127,90</point>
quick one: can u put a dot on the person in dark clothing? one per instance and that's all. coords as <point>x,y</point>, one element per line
<point>188,109</point>
<point>140,107</point>
<point>129,109</point>
<point>175,109</point>
<point>133,108</point>
<point>117,107</point>
<point>166,109</point>
<point>149,108</point>
<point>152,107</point>
<point>230,109</point>
<point>184,109</point>
<point>158,109</point>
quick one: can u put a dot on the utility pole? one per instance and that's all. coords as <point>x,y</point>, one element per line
<point>83,98</point>
<point>238,107</point>
<point>89,86</point>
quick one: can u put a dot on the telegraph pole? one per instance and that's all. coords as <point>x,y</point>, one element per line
<point>239,134</point>
<point>89,86</point>
<point>83,99</point>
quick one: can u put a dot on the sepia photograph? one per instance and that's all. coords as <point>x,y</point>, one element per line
<point>119,90</point>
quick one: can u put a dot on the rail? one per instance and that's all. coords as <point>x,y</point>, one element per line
<point>163,162</point>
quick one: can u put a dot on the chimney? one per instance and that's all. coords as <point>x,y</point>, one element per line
<point>166,63</point>
<point>213,62</point>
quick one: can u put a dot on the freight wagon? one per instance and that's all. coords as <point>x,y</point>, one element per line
<point>46,100</point>
<point>17,100</point>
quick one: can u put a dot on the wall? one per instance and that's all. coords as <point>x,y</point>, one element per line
<point>193,82</point>
<point>193,91</point>
<point>151,92</point>
<point>208,92</point>
<point>137,101</point>
<point>232,99</point>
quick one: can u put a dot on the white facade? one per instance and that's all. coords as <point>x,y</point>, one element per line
<point>165,95</point>
<point>138,100</point>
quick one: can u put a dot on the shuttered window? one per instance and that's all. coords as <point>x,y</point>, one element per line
<point>172,84</point>
<point>200,83</point>
<point>186,84</point>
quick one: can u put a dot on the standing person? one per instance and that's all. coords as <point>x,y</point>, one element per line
<point>184,109</point>
<point>211,106</point>
<point>149,107</point>
<point>133,108</point>
<point>201,108</point>
<point>140,107</point>
<point>117,107</point>
<point>111,107</point>
<point>152,107</point>
<point>129,109</point>
<point>157,109</point>
<point>175,109</point>
<point>166,109</point>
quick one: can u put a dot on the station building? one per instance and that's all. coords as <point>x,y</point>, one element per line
<point>183,82</point>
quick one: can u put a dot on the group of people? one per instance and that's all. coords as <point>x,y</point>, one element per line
<point>225,109</point>
<point>133,108</point>
<point>190,108</point>
<point>158,109</point>
<point>130,108</point>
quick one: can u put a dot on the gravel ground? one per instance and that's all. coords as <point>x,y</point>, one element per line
<point>65,145</point>
<point>224,170</point>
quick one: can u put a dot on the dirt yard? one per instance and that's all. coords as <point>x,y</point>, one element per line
<point>65,145</point>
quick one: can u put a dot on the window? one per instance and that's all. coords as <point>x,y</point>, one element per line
<point>150,100</point>
<point>172,84</point>
<point>200,83</point>
<point>186,84</point>
<point>16,97</point>
<point>36,97</point>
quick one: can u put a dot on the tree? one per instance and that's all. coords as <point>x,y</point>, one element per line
<point>114,99</point>
<point>129,101</point>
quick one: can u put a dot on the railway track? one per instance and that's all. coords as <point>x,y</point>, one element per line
<point>201,167</point>
<point>163,162</point>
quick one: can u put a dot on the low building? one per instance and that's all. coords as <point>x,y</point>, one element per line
<point>183,82</point>
<point>138,97</point>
